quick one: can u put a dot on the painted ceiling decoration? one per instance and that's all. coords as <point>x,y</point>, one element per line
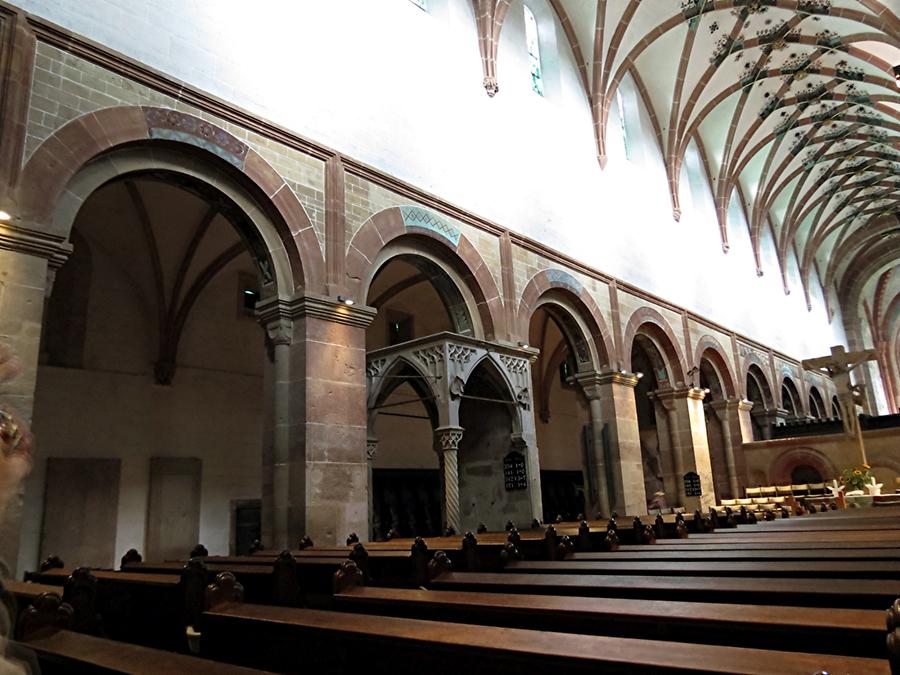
<point>792,106</point>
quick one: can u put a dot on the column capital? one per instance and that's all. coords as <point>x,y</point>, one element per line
<point>30,241</point>
<point>729,404</point>
<point>593,379</point>
<point>317,306</point>
<point>447,438</point>
<point>371,449</point>
<point>673,393</point>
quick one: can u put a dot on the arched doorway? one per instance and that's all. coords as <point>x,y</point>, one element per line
<point>152,320</point>
<point>442,401</point>
<point>759,393</point>
<point>655,359</point>
<point>570,475</point>
<point>817,404</point>
<point>414,297</point>
<point>790,399</point>
<point>716,382</point>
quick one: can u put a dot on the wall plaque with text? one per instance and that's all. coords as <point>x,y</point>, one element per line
<point>514,475</point>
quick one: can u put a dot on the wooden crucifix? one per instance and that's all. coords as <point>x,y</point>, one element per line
<point>839,365</point>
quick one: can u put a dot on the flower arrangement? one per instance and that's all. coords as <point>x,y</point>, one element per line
<point>856,478</point>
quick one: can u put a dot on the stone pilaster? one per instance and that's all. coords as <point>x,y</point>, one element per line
<point>320,471</point>
<point>28,259</point>
<point>371,453</point>
<point>593,389</point>
<point>690,445</point>
<point>446,443</point>
<point>618,413</point>
<point>728,412</point>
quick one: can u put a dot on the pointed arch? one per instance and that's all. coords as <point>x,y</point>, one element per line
<point>649,323</point>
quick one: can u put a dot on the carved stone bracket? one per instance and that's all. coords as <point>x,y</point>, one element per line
<point>489,16</point>
<point>371,449</point>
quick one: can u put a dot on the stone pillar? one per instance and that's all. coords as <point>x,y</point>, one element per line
<point>446,443</point>
<point>320,471</point>
<point>664,441</point>
<point>593,390</point>
<point>533,464</point>
<point>727,412</point>
<point>28,261</point>
<point>684,407</point>
<point>767,418</point>
<point>371,452</point>
<point>619,415</point>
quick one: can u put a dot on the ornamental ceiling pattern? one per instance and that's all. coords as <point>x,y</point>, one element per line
<point>792,105</point>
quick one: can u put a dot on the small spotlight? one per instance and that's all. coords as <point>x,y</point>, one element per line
<point>345,300</point>
<point>524,345</point>
<point>638,375</point>
<point>705,391</point>
<point>5,216</point>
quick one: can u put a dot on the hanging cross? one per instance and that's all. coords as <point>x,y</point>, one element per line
<point>839,365</point>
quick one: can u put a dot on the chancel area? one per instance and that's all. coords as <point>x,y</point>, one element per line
<point>450,334</point>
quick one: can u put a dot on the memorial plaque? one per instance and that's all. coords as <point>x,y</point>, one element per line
<point>514,475</point>
<point>692,484</point>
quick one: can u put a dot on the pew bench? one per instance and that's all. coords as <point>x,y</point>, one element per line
<point>801,592</point>
<point>833,569</point>
<point>851,632</point>
<point>731,554</point>
<point>68,652</point>
<point>147,609</point>
<point>314,641</point>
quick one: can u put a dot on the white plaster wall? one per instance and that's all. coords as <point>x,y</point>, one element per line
<point>400,88</point>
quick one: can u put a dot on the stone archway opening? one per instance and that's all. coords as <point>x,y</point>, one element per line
<point>715,409</point>
<point>659,481</point>
<point>790,399</point>
<point>760,395</point>
<point>563,416</point>
<point>817,404</point>
<point>152,319</point>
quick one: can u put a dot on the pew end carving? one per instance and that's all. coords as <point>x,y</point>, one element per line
<point>347,577</point>
<point>47,614</point>
<point>225,590</point>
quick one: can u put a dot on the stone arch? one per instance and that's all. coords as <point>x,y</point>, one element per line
<point>96,147</point>
<point>781,468</point>
<point>788,385</point>
<point>817,403</point>
<point>709,348</point>
<point>416,231</point>
<point>651,324</point>
<point>755,368</point>
<point>497,375</point>
<point>387,385</point>
<point>574,310</point>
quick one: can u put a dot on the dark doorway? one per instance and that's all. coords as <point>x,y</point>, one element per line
<point>247,525</point>
<point>804,474</point>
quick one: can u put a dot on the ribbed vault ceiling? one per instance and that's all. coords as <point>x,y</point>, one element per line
<point>793,107</point>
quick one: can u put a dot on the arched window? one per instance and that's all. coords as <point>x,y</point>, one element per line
<point>620,107</point>
<point>534,51</point>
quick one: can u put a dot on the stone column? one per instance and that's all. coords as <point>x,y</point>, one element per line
<point>727,412</point>
<point>320,469</point>
<point>593,390</point>
<point>371,452</point>
<point>446,443</point>
<point>28,259</point>
<point>664,443</point>
<point>618,413</point>
<point>684,407</point>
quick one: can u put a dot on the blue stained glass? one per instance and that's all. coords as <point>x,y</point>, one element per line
<point>534,51</point>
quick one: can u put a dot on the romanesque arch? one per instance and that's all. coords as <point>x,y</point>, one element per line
<point>97,147</point>
<point>414,231</point>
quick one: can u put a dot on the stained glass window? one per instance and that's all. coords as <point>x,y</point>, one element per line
<point>620,106</point>
<point>421,4</point>
<point>534,52</point>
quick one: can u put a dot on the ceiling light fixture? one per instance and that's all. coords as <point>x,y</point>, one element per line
<point>5,216</point>
<point>345,300</point>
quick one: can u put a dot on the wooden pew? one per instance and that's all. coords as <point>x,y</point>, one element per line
<point>147,609</point>
<point>852,632</point>
<point>833,569</point>
<point>802,592</point>
<point>316,641</point>
<point>742,554</point>
<point>68,652</point>
<point>257,580</point>
<point>766,545</point>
